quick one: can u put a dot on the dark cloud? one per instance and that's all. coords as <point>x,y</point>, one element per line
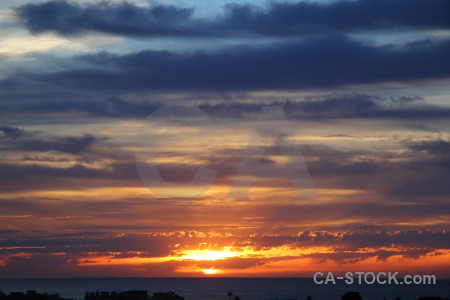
<point>12,132</point>
<point>338,106</point>
<point>325,107</point>
<point>354,257</point>
<point>124,18</point>
<point>355,240</point>
<point>411,238</point>
<point>427,185</point>
<point>324,62</point>
<point>282,19</point>
<point>113,107</point>
<point>432,147</point>
<point>70,144</point>
<point>26,141</point>
<point>41,177</point>
<point>428,173</point>
<point>2,232</point>
<point>276,19</point>
<point>152,246</point>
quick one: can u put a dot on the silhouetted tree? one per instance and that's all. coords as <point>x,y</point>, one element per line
<point>432,298</point>
<point>351,296</point>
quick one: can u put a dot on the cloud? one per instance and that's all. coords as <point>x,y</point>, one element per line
<point>41,177</point>
<point>70,144</point>
<point>428,173</point>
<point>152,247</point>
<point>161,244</point>
<point>274,19</point>
<point>28,141</point>
<point>432,147</point>
<point>355,257</point>
<point>331,106</point>
<point>3,232</point>
<point>407,176</point>
<point>113,107</point>
<point>296,18</point>
<point>351,105</point>
<point>12,132</point>
<point>121,18</point>
<point>427,185</point>
<point>325,62</point>
<point>346,247</point>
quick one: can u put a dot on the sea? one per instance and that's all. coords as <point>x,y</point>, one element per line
<point>217,288</point>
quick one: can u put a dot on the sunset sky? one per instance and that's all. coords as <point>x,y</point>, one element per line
<point>335,115</point>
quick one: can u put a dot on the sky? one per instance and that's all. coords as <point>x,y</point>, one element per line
<point>220,138</point>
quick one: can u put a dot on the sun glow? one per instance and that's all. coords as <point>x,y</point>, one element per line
<point>210,271</point>
<point>208,255</point>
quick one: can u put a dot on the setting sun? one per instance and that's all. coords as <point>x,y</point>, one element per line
<point>209,271</point>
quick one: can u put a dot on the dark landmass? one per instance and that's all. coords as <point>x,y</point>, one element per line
<point>131,295</point>
<point>357,296</point>
<point>97,295</point>
<point>30,295</point>
<point>143,295</point>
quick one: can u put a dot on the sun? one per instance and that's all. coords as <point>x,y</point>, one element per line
<point>208,255</point>
<point>209,271</point>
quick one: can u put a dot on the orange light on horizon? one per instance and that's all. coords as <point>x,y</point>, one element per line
<point>210,271</point>
<point>200,255</point>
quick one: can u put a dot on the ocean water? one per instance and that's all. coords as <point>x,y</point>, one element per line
<point>217,288</point>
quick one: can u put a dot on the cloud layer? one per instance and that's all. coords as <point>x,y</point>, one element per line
<point>325,62</point>
<point>364,85</point>
<point>277,19</point>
